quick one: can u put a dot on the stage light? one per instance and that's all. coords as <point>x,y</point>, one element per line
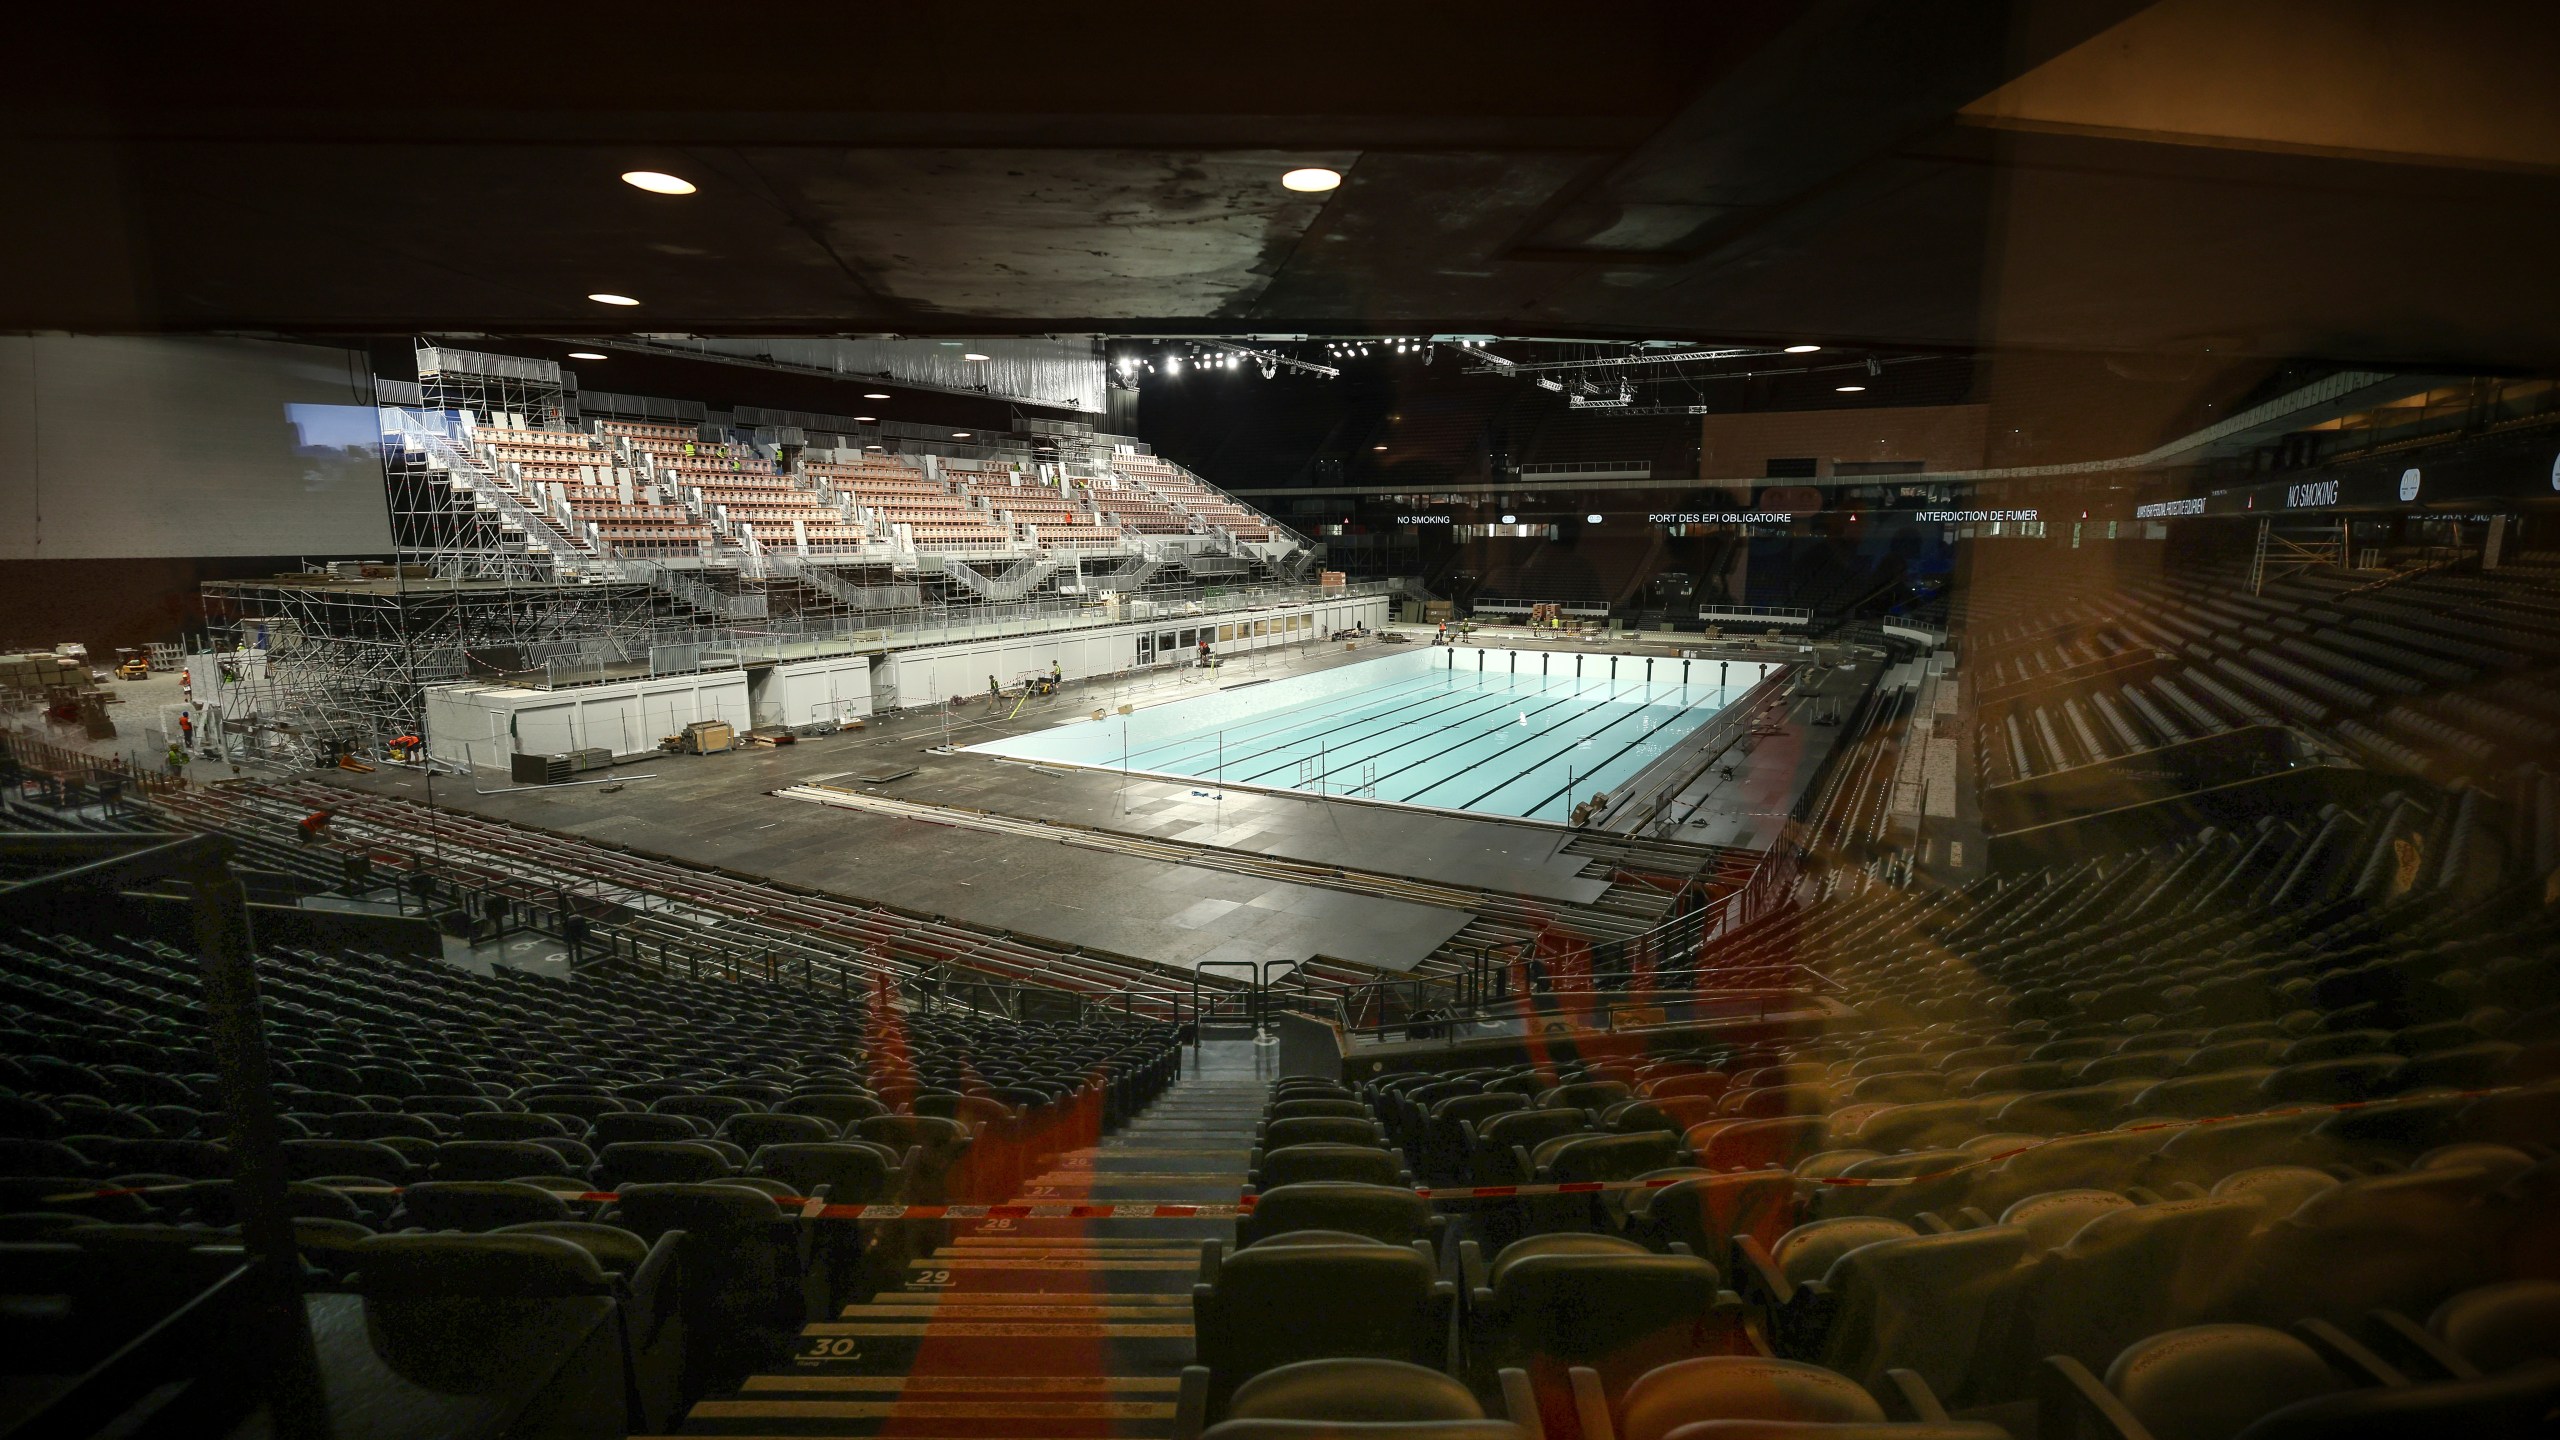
<point>1377,447</point>
<point>1311,179</point>
<point>657,182</point>
<point>585,355</point>
<point>866,420</point>
<point>1802,349</point>
<point>875,395</point>
<point>959,434</point>
<point>604,298</point>
<point>1851,389</point>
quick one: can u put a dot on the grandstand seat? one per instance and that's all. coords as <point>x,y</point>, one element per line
<point>841,1109</point>
<point>504,1125</point>
<point>2054,1216</point>
<point>1384,1213</point>
<point>319,1159</point>
<point>1315,1295</point>
<point>1387,1399</point>
<point>2204,1382</point>
<point>1706,1212</point>
<point>478,1205</point>
<point>742,1273</point>
<point>643,1162</point>
<point>622,1127</point>
<point>496,1160</point>
<point>1549,1302</point>
<point>2126,1272</point>
<point>2396,1241</point>
<point>1740,1397</point>
<point>557,1345</point>
<point>754,1131</point>
<point>1296,1164</point>
<point>2494,1328</point>
<point>1920,1303</point>
<point>1321,1130</point>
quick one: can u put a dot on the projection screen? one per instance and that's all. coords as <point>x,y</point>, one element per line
<point>115,447</point>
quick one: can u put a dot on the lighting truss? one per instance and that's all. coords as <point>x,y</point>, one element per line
<point>1273,357</point>
<point>1612,362</point>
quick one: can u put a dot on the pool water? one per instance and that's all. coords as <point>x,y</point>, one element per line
<point>1504,732</point>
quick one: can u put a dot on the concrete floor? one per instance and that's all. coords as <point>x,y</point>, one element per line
<point>717,810</point>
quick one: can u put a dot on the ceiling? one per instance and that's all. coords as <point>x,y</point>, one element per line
<point>2349,180</point>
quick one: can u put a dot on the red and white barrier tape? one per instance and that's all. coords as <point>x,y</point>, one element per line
<point>810,1208</point>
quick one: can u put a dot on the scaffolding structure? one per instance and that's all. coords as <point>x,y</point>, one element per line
<point>509,391</point>
<point>312,667</point>
<point>2284,553</point>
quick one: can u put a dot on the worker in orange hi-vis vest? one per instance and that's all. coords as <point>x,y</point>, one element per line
<point>315,825</point>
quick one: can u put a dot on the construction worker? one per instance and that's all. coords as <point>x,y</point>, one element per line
<point>315,825</point>
<point>1204,652</point>
<point>1057,674</point>
<point>186,729</point>
<point>176,760</point>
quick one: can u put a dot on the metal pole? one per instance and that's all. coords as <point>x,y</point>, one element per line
<point>257,1140</point>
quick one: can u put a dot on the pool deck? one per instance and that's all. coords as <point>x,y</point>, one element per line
<point>720,810</point>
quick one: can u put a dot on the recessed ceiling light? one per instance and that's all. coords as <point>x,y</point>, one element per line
<point>604,298</point>
<point>875,395</point>
<point>1510,519</point>
<point>865,419</point>
<point>1851,389</point>
<point>959,434</point>
<point>1802,349</point>
<point>657,182</point>
<point>972,355</point>
<point>1312,179</point>
<point>586,355</point>
<point>1591,519</point>
<point>1377,447</point>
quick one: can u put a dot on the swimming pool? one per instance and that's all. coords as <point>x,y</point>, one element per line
<point>1502,732</point>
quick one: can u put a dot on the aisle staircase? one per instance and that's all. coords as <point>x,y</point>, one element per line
<point>1032,1329</point>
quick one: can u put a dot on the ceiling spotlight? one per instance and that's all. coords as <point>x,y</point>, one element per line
<point>866,420</point>
<point>875,395</point>
<point>1377,447</point>
<point>1590,519</point>
<point>959,434</point>
<point>1312,179</point>
<point>1851,389</point>
<point>603,298</point>
<point>971,355</point>
<point>585,355</point>
<point>1802,349</point>
<point>657,182</point>
<point>1510,519</point>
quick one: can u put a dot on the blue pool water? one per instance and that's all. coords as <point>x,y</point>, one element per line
<point>1503,732</point>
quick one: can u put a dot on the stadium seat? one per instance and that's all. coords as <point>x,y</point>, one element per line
<point>478,1205</point>
<point>1315,1295</point>
<point>1385,1213</point>
<point>1550,1302</point>
<point>741,1273</point>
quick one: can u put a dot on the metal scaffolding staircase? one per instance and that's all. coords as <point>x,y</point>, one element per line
<point>1025,577</point>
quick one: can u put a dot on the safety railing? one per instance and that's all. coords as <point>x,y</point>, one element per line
<point>1774,614</point>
